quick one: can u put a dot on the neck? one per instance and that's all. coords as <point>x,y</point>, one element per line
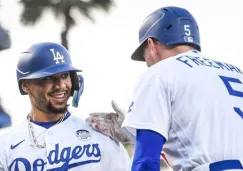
<point>44,117</point>
<point>178,49</point>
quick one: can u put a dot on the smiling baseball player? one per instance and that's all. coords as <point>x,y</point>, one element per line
<point>51,138</point>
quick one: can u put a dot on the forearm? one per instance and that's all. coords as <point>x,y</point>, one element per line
<point>147,151</point>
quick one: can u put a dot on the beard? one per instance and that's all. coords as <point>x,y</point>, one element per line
<point>40,103</point>
<point>55,110</point>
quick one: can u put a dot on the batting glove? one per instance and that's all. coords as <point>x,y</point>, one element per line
<point>109,124</point>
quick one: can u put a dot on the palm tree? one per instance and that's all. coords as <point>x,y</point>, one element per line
<point>4,39</point>
<point>34,9</point>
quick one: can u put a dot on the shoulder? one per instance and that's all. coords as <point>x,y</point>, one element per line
<point>13,135</point>
<point>85,127</point>
<point>15,131</point>
<point>74,119</point>
<point>175,64</point>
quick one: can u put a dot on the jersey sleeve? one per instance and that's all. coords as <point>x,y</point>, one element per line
<point>115,157</point>
<point>151,106</point>
<point>3,162</point>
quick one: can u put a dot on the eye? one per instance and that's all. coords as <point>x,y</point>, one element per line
<point>65,75</point>
<point>48,78</point>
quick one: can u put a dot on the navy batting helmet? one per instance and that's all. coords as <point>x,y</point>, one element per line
<point>43,60</point>
<point>169,25</point>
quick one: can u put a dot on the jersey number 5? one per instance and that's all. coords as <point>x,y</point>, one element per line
<point>232,92</point>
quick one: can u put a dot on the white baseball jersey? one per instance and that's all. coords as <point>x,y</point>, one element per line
<point>70,145</point>
<point>196,103</point>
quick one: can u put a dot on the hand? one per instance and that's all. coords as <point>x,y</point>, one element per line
<point>109,124</point>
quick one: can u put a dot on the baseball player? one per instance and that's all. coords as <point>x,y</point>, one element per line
<point>51,138</point>
<point>186,104</point>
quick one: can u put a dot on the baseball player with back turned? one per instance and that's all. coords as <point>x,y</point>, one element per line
<point>51,138</point>
<point>186,104</point>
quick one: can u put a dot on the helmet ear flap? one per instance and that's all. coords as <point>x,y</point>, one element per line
<point>22,92</point>
<point>75,81</point>
<point>76,93</point>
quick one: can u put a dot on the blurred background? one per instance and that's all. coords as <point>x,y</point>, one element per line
<point>101,35</point>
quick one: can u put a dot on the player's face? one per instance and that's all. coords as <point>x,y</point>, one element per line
<point>50,94</point>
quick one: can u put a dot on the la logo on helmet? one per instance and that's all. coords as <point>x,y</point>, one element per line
<point>57,56</point>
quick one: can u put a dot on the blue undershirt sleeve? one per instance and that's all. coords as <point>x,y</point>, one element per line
<point>148,148</point>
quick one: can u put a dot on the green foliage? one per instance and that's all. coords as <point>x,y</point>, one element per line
<point>34,9</point>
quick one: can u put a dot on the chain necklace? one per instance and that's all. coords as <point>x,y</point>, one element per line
<point>32,133</point>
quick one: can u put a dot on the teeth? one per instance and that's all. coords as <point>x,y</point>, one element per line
<point>58,96</point>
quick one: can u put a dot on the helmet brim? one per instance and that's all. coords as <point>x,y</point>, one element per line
<point>138,53</point>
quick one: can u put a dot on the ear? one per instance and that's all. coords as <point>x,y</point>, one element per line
<point>25,87</point>
<point>152,46</point>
